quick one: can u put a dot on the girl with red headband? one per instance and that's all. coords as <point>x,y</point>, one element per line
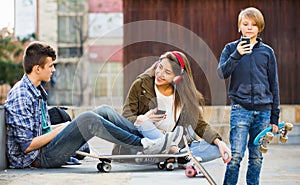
<point>168,86</point>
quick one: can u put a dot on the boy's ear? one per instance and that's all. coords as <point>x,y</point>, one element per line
<point>36,69</point>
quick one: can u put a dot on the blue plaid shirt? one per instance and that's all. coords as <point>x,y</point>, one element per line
<point>23,121</point>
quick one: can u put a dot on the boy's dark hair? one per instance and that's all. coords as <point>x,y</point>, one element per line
<point>35,54</point>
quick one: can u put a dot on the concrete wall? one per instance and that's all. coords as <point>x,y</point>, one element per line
<point>3,161</point>
<point>217,116</point>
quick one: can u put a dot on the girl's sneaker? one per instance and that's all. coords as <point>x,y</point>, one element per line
<point>158,146</point>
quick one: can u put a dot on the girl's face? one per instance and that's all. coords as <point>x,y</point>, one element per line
<point>249,28</point>
<point>164,74</point>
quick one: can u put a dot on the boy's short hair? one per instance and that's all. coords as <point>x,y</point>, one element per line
<point>253,14</point>
<point>35,54</point>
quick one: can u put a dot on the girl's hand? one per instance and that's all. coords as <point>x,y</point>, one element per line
<point>156,117</point>
<point>224,150</point>
<point>150,115</point>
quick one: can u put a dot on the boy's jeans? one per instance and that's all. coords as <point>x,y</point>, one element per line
<point>113,128</point>
<point>244,123</point>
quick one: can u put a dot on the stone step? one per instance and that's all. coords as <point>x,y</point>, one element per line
<point>3,160</point>
<point>293,136</point>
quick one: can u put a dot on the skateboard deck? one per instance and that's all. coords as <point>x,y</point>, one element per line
<point>167,163</point>
<point>265,136</point>
<point>196,168</point>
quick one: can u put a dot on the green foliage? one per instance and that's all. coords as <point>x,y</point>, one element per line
<point>7,47</point>
<point>10,72</point>
<point>23,40</point>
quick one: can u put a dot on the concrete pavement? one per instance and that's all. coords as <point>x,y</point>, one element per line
<point>281,167</point>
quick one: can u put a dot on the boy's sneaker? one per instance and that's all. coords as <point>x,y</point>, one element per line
<point>158,146</point>
<point>72,161</point>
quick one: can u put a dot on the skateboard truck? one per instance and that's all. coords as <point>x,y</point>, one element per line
<point>266,136</point>
<point>265,141</point>
<point>283,137</point>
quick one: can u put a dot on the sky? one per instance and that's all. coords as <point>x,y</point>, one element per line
<point>6,13</point>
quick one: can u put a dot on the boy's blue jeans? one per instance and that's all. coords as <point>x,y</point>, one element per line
<point>244,127</point>
<point>113,127</point>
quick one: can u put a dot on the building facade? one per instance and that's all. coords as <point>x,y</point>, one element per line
<point>88,37</point>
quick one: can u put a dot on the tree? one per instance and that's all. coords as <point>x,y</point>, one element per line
<point>11,70</point>
<point>8,49</point>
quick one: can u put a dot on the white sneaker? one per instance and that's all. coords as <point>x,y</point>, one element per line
<point>158,146</point>
<point>178,132</point>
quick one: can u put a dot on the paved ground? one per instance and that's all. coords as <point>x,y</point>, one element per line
<point>281,167</point>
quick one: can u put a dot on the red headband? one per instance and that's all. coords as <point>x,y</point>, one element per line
<point>179,58</point>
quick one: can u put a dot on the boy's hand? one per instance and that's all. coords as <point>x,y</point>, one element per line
<point>244,48</point>
<point>274,127</point>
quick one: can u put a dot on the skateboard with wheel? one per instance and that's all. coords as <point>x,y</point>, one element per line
<point>196,168</point>
<point>168,161</point>
<point>265,136</point>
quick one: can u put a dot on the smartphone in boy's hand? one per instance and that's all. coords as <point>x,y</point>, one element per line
<point>247,39</point>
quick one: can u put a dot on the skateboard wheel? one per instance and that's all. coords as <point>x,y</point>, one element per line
<point>283,139</point>
<point>99,167</point>
<point>269,136</point>
<point>190,171</point>
<point>263,149</point>
<point>104,167</point>
<point>170,166</point>
<point>161,165</point>
<point>289,126</point>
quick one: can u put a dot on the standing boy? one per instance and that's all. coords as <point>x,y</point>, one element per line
<point>254,93</point>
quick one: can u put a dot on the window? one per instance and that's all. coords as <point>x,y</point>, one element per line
<point>107,79</point>
<point>69,36</point>
<point>69,29</point>
<point>71,5</point>
<point>69,52</point>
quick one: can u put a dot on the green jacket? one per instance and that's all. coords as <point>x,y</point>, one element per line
<point>141,98</point>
